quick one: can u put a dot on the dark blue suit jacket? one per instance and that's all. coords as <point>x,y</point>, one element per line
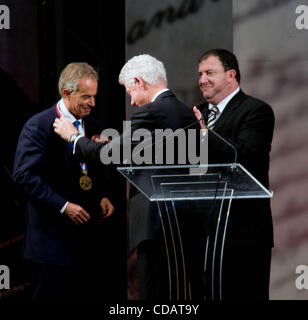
<point>47,174</point>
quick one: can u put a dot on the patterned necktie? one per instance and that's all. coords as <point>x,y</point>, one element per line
<point>212,117</point>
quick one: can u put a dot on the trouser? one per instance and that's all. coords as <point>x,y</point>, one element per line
<point>51,282</point>
<point>152,271</point>
<point>87,279</point>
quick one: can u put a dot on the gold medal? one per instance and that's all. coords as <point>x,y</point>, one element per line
<point>85,182</point>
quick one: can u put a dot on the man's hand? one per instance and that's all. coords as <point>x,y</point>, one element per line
<point>76,213</point>
<point>100,138</point>
<point>198,115</point>
<point>64,128</point>
<point>107,208</point>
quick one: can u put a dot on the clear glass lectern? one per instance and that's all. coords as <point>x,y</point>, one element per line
<point>178,186</point>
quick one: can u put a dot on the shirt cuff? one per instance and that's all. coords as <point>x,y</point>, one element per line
<point>203,133</point>
<point>64,207</point>
<point>80,136</point>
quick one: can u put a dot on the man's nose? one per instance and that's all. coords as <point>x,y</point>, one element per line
<point>132,102</point>
<point>92,101</point>
<point>203,78</point>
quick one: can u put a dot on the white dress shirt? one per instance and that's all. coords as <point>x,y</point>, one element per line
<point>158,93</point>
<point>65,113</point>
<point>222,104</point>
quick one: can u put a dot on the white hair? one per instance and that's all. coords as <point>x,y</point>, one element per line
<point>144,66</point>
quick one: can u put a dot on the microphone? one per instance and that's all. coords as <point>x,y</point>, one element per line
<point>211,111</point>
<point>206,112</point>
<point>148,143</point>
<point>227,142</point>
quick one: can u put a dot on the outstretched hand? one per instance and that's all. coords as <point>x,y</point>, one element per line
<point>100,138</point>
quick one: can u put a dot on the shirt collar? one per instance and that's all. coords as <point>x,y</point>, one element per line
<point>222,104</point>
<point>65,113</point>
<point>158,93</point>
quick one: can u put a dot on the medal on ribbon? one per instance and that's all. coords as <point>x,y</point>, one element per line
<point>85,181</point>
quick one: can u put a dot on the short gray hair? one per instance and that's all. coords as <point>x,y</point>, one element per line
<point>144,66</point>
<point>72,73</point>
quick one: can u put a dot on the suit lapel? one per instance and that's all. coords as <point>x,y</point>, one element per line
<point>233,104</point>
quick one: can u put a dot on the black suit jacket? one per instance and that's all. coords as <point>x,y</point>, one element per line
<point>165,112</point>
<point>246,123</point>
<point>47,175</point>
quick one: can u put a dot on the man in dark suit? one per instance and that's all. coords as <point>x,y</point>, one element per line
<point>66,202</point>
<point>247,124</point>
<point>145,80</point>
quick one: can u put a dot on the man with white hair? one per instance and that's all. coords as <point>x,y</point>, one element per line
<point>145,81</point>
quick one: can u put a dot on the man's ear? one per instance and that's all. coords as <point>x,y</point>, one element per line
<point>140,82</point>
<point>232,74</point>
<point>65,93</point>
